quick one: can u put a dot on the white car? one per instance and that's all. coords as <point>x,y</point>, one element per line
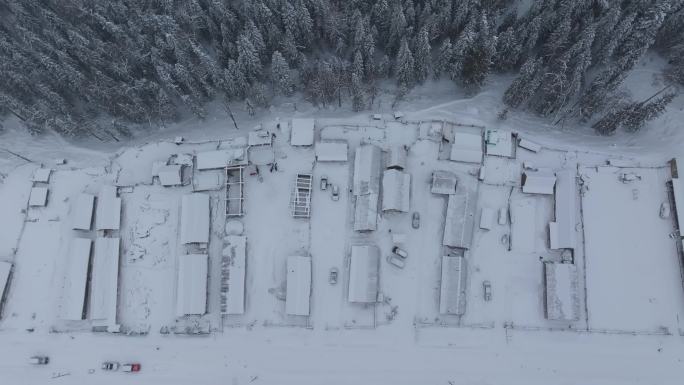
<point>324,182</point>
<point>400,252</point>
<point>39,360</point>
<point>335,193</point>
<point>395,260</point>
<point>110,366</point>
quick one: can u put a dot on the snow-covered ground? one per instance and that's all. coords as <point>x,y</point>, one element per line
<point>631,296</point>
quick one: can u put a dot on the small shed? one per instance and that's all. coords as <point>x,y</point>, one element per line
<point>499,143</point>
<point>259,138</point>
<point>191,298</point>
<point>170,175</point>
<point>194,219</point>
<point>444,182</point>
<point>397,158</point>
<point>298,285</point>
<point>466,147</point>
<point>108,213</point>
<point>529,145</point>
<point>82,211</point>
<point>541,181</point>
<point>452,294</point>
<point>210,160</point>
<point>38,197</point>
<point>331,151</point>
<point>396,190</point>
<point>302,132</point>
<point>561,297</point>
<point>75,279</point>
<point>364,274</point>
<point>487,218</point>
<point>42,175</point>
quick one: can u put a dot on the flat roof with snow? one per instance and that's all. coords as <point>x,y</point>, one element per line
<point>191,296</point>
<point>452,298</point>
<point>42,175</point>
<point>170,175</point>
<point>499,143</point>
<point>363,274</point>
<point>331,151</point>
<point>460,217</point>
<point>366,212</point>
<point>397,157</point>
<point>367,167</point>
<point>562,230</point>
<point>235,262</point>
<point>561,295</point>
<point>443,182</point>
<point>529,145</point>
<point>302,132</point>
<point>105,280</point>
<point>194,218</point>
<point>82,211</point>
<point>396,190</point>
<point>298,285</point>
<point>259,138</point>
<point>466,147</point>
<point>75,279</point>
<point>538,182</point>
<point>209,160</point>
<point>108,214</point>
<point>38,197</point>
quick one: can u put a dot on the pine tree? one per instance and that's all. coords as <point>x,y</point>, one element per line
<point>357,94</point>
<point>423,56</point>
<point>404,66</point>
<point>248,59</point>
<point>280,75</point>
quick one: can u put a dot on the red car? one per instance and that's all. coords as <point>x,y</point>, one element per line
<point>130,368</point>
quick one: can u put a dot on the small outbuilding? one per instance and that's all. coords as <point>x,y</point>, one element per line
<point>298,285</point>
<point>529,145</point>
<point>397,158</point>
<point>191,298</point>
<point>38,197</point>
<point>302,132</point>
<point>444,182</point>
<point>452,294</point>
<point>541,181</point>
<point>170,175</point>
<point>210,160</point>
<point>561,297</point>
<point>194,226</point>
<point>331,151</point>
<point>396,190</point>
<point>500,143</point>
<point>259,138</point>
<point>364,274</point>
<point>82,211</point>
<point>42,175</point>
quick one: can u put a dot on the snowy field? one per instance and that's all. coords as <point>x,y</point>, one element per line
<point>629,294</point>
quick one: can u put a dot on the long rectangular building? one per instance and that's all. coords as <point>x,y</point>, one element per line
<point>108,213</point>
<point>75,279</point>
<point>194,226</point>
<point>561,297</point>
<point>298,295</point>
<point>234,266</point>
<point>364,274</point>
<point>452,297</point>
<point>191,296</point>
<point>562,230</point>
<point>105,280</point>
<point>82,211</point>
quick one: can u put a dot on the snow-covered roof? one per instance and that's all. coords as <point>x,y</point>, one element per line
<point>331,151</point>
<point>220,158</point>
<point>298,285</point>
<point>363,274</point>
<point>466,147</point>
<point>191,297</point>
<point>529,145</point>
<point>194,218</point>
<point>108,214</point>
<point>302,132</point>
<point>460,217</point>
<point>38,196</point>
<point>234,257</point>
<point>452,298</point>
<point>366,212</point>
<point>562,230</point>
<point>75,278</point>
<point>499,142</point>
<point>170,175</point>
<point>538,182</point>
<point>561,299</point>
<point>105,280</point>
<point>208,180</point>
<point>397,157</point>
<point>42,175</point>
<point>486,218</point>
<point>367,167</point>
<point>396,190</point>
<point>82,211</point>
<point>259,138</point>
<point>5,268</point>
<point>678,193</point>
<point>444,182</point>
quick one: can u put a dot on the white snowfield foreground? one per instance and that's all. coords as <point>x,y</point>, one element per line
<point>580,254</point>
